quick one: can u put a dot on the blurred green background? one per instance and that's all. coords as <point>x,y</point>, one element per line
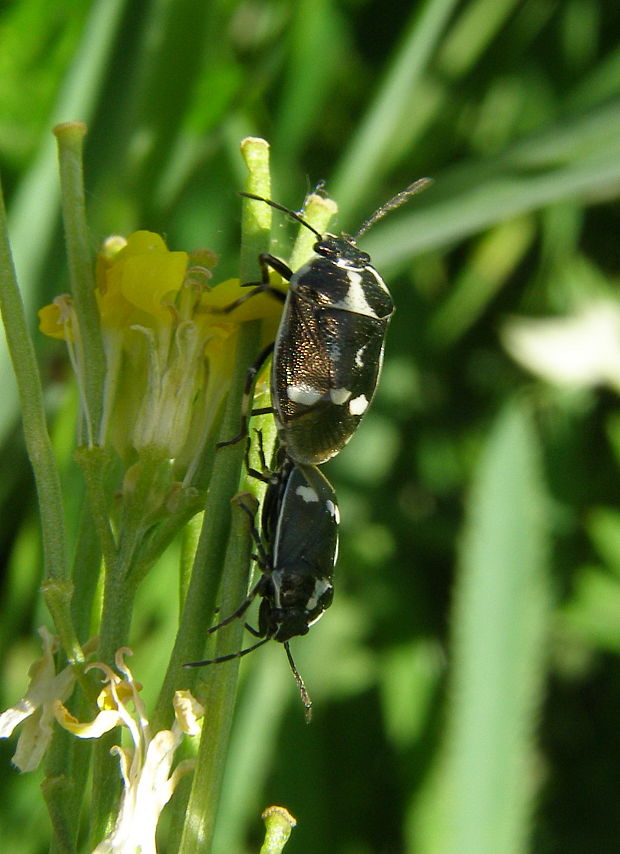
<point>514,109</point>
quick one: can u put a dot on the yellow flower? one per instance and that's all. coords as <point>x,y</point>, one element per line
<point>140,276</point>
<point>169,347</point>
<point>57,318</point>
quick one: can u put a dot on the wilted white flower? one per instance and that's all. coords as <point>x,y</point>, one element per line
<point>145,767</point>
<point>579,350</point>
<point>37,706</point>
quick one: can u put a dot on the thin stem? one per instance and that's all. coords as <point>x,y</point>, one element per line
<point>219,698</point>
<point>57,586</point>
<point>121,582</point>
<point>278,825</point>
<point>207,570</point>
<point>115,624</point>
<point>206,575</point>
<point>93,462</point>
<point>70,138</point>
<point>86,565</point>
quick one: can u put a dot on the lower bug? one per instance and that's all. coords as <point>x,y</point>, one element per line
<point>296,549</point>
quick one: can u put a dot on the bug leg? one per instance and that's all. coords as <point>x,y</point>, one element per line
<point>263,558</point>
<point>239,612</point>
<point>264,475</point>
<point>230,657</point>
<point>267,261</point>
<point>253,631</point>
<point>247,396</point>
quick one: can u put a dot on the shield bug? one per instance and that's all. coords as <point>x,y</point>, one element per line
<point>297,548</point>
<point>328,351</point>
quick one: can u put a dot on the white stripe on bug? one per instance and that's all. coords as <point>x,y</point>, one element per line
<point>355,299</point>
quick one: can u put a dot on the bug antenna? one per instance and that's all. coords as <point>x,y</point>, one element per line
<point>230,657</point>
<point>293,214</point>
<point>395,202</point>
<point>303,691</point>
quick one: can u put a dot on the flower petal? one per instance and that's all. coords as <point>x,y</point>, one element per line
<point>188,711</point>
<point>578,350</point>
<point>257,308</point>
<point>104,722</point>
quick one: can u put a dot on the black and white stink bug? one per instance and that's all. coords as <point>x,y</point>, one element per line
<point>328,350</point>
<point>297,549</point>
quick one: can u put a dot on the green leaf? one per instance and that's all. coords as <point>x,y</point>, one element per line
<point>479,798</point>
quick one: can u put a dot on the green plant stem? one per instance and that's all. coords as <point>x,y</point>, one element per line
<point>115,624</point>
<point>39,448</point>
<point>70,143</point>
<point>219,696</point>
<point>93,462</point>
<point>85,574</point>
<point>37,438</point>
<point>189,545</point>
<point>149,480</point>
<point>68,758</point>
<point>63,792</point>
<point>278,825</point>
<point>206,574</point>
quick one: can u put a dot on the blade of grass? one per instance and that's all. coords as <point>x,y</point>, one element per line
<point>576,159</point>
<point>316,25</point>
<point>34,208</point>
<point>367,154</point>
<point>480,796</point>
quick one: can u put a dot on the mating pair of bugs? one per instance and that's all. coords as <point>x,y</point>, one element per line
<point>326,362</point>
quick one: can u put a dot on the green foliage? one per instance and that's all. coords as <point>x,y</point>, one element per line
<point>450,687</point>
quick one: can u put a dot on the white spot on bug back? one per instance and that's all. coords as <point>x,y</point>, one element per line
<point>307,494</point>
<point>339,395</point>
<point>333,511</point>
<point>303,394</point>
<point>359,356</point>
<point>358,405</point>
<point>321,586</point>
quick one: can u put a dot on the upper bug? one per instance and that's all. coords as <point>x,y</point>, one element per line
<point>328,351</point>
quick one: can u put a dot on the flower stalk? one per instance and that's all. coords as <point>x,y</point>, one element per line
<point>160,371</point>
<point>70,137</point>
